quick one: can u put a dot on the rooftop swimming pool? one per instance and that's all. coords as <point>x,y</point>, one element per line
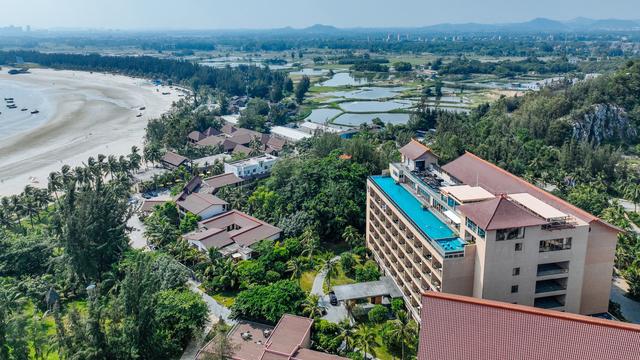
<point>426,221</point>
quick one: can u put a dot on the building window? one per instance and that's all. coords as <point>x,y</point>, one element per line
<point>516,271</point>
<point>518,246</point>
<point>555,245</point>
<point>481,233</point>
<point>471,225</point>
<point>514,289</point>
<point>510,234</point>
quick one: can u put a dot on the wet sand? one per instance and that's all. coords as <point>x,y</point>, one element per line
<point>86,114</point>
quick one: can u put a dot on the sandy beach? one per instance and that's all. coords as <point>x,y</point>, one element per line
<point>81,115</point>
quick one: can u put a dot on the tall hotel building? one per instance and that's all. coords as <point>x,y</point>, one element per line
<point>471,228</point>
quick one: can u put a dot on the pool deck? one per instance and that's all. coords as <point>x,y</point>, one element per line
<point>429,224</point>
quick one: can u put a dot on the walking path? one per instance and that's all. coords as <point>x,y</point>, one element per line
<point>216,312</point>
<point>335,314</point>
<point>630,308</point>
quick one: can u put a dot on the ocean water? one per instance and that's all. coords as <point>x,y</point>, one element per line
<point>14,121</point>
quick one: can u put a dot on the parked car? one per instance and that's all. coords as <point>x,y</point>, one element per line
<point>146,196</point>
<point>333,300</point>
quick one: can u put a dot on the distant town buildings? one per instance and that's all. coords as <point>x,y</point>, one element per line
<point>471,228</point>
<point>490,330</point>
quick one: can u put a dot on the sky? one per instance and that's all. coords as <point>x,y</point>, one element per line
<point>261,14</point>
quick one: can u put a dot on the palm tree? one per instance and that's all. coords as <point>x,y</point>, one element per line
<point>135,159</point>
<point>296,267</point>
<point>112,165</point>
<point>152,153</point>
<point>347,335</point>
<point>29,206</point>
<point>403,329</point>
<point>329,266</point>
<point>54,184</point>
<point>632,191</point>
<point>310,241</point>
<point>366,339</point>
<point>311,307</point>
<point>256,146</point>
<point>351,236</point>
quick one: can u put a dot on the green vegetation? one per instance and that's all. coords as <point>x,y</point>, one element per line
<point>507,68</point>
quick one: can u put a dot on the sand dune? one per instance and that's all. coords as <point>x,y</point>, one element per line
<point>88,114</point>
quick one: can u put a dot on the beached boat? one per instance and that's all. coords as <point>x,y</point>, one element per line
<point>139,115</point>
<point>35,112</point>
<point>8,99</point>
<point>24,109</point>
<point>143,108</point>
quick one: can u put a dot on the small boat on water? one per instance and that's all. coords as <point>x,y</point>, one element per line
<point>143,108</point>
<point>35,112</point>
<point>139,115</point>
<point>24,109</point>
<point>8,99</point>
<point>11,106</point>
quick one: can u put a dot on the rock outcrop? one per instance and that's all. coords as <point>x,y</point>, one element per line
<point>603,123</point>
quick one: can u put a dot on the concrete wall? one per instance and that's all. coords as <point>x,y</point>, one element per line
<point>598,269</point>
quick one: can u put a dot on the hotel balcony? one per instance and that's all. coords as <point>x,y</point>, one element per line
<point>547,286</point>
<point>551,269</point>
<point>550,302</point>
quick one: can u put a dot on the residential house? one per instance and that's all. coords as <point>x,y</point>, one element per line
<point>251,168</point>
<point>198,200</point>
<point>172,161</point>
<point>217,182</point>
<point>232,234</point>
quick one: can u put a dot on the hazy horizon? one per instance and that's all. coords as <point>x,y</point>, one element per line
<point>260,14</point>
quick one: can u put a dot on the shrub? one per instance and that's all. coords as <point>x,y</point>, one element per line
<point>378,314</point>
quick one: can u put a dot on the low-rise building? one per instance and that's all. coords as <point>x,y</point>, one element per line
<point>232,234</point>
<point>290,339</point>
<point>217,182</point>
<point>289,134</point>
<point>198,199</point>
<point>473,229</point>
<point>456,327</point>
<point>172,161</point>
<point>251,168</point>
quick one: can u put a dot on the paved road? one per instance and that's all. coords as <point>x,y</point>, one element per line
<point>216,311</point>
<point>629,307</point>
<point>334,313</point>
<point>137,239</point>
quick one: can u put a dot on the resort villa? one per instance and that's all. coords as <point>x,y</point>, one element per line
<point>471,228</point>
<point>232,234</point>
<point>251,168</point>
<point>491,330</point>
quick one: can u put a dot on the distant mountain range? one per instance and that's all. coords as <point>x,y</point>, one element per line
<point>535,25</point>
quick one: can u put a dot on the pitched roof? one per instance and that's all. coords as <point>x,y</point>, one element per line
<point>196,135</point>
<point>499,213</point>
<point>249,230</point>
<point>211,238</point>
<point>241,149</point>
<point>211,132</point>
<point>150,204</point>
<point>496,330</point>
<point>245,136</point>
<point>414,150</point>
<point>214,140</point>
<point>275,143</point>
<point>218,181</point>
<point>229,129</point>
<point>174,159</point>
<point>197,203</point>
<point>193,184</point>
<point>473,170</point>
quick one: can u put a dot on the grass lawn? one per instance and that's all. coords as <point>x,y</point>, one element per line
<point>225,298</point>
<point>306,280</point>
<point>380,350</point>
<point>340,278</point>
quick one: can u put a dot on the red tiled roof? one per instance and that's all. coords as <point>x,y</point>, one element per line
<point>241,149</point>
<point>475,171</point>
<point>197,203</point>
<point>214,140</point>
<point>499,213</point>
<point>250,230</point>
<point>456,327</point>
<point>414,150</point>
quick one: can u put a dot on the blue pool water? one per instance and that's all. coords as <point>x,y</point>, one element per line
<point>433,227</point>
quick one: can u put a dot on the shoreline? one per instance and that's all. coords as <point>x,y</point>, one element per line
<point>90,114</point>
